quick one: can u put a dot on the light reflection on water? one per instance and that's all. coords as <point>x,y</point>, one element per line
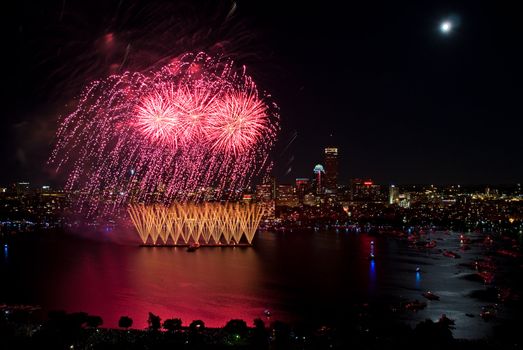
<point>418,279</point>
<point>299,275</point>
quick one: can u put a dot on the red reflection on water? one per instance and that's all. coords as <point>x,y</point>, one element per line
<point>211,284</point>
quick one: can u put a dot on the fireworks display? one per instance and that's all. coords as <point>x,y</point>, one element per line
<point>209,223</point>
<point>195,126</point>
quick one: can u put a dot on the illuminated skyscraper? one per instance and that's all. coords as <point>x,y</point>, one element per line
<point>393,194</point>
<point>331,169</point>
<point>302,187</point>
<point>265,195</point>
<point>319,173</point>
<point>287,196</point>
<point>365,191</point>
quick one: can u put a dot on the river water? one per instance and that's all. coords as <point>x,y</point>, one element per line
<point>313,276</point>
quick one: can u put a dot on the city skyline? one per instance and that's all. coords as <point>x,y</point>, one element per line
<point>405,101</point>
<point>309,176</point>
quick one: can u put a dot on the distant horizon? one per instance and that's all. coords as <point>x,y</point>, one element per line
<point>341,184</point>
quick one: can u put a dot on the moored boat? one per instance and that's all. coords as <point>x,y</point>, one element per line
<point>193,246</point>
<point>431,296</point>
<point>450,254</point>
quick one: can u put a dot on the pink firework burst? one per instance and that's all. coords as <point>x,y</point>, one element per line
<point>194,105</point>
<point>157,118</point>
<point>238,122</point>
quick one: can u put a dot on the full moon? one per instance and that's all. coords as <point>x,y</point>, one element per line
<point>445,27</point>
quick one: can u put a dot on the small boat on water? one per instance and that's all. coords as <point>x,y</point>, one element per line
<point>193,246</point>
<point>450,254</point>
<point>488,315</point>
<point>431,296</point>
<point>430,244</point>
<point>487,276</point>
<point>509,253</point>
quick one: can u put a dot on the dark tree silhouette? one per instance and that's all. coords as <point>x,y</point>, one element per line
<point>57,319</point>
<point>236,327</point>
<point>94,321</point>
<point>125,322</point>
<point>197,326</point>
<point>154,322</point>
<point>281,332</point>
<point>434,333</point>
<point>259,324</point>
<point>77,320</point>
<point>260,335</point>
<point>172,324</point>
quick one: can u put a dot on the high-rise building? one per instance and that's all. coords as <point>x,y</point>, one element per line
<point>264,193</point>
<point>272,182</point>
<point>365,191</point>
<point>404,200</point>
<point>394,193</point>
<point>311,199</point>
<point>302,187</point>
<point>331,169</point>
<point>265,197</point>
<point>319,172</point>
<point>287,196</point>
<point>21,188</point>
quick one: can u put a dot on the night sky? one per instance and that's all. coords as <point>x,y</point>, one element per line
<point>404,102</point>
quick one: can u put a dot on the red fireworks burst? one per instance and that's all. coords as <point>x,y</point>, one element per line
<point>194,106</point>
<point>157,118</point>
<point>237,122</point>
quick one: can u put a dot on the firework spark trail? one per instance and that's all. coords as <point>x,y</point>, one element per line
<point>166,135</point>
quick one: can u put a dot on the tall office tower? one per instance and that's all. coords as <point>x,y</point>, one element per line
<point>331,169</point>
<point>393,194</point>
<point>319,172</point>
<point>302,187</point>
<point>266,195</point>
<point>287,196</point>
